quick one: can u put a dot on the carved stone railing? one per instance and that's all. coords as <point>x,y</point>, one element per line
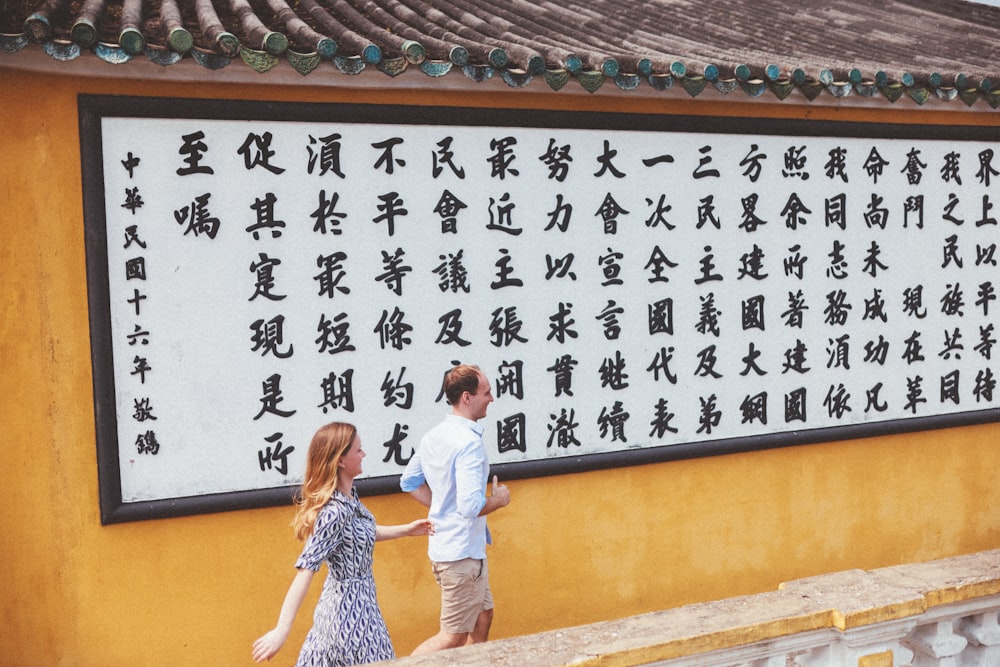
<point>940,613</point>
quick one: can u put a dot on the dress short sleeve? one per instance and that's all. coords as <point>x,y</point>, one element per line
<point>327,535</point>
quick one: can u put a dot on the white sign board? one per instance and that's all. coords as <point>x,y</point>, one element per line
<point>636,288</point>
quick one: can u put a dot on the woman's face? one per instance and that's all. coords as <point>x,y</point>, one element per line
<point>350,460</point>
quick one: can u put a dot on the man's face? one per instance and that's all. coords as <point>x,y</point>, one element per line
<point>482,398</point>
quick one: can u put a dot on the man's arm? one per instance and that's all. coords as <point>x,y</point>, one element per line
<point>470,471</point>
<point>471,485</point>
<point>500,497</point>
<point>422,494</point>
<point>413,477</point>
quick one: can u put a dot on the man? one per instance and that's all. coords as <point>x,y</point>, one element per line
<point>448,473</point>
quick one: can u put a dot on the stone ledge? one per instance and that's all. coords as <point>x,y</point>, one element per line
<point>836,602</point>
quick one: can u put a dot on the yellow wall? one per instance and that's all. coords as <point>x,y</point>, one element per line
<point>570,549</point>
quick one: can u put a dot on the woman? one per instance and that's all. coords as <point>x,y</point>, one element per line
<point>348,628</point>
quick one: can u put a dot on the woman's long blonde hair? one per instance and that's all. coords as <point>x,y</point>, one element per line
<point>327,446</point>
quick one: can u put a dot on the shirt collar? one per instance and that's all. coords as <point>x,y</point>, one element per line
<point>475,427</point>
<point>337,495</point>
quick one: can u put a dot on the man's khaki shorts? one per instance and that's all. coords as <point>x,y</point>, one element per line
<point>465,593</point>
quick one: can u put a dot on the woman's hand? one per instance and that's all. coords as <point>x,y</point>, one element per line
<point>268,645</point>
<point>412,529</point>
<point>265,647</point>
<point>419,527</point>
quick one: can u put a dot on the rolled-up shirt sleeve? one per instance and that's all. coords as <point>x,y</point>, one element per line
<point>413,476</point>
<point>471,467</point>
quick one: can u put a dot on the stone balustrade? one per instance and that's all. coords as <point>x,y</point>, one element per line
<point>939,613</point>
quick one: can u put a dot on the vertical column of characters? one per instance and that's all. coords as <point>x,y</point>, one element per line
<point>197,228</point>
<point>613,254</point>
<point>660,260</point>
<point>263,171</point>
<point>561,274</point>
<point>758,280</point>
<point>839,314</point>
<point>335,347</point>
<point>790,297</point>
<point>508,331</point>
<point>713,325</point>
<point>391,173</point>
<point>139,339</point>
<point>982,333</point>
<point>450,215</point>
<point>911,204</point>
<point>876,265</point>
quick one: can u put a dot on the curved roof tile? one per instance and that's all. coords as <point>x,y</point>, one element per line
<point>921,49</point>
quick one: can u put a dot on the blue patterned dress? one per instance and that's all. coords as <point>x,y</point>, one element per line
<point>348,628</point>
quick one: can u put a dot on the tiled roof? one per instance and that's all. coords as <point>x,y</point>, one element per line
<point>885,50</point>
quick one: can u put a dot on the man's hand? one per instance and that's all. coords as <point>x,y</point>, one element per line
<point>501,493</point>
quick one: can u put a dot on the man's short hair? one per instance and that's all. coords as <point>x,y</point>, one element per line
<point>460,379</point>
